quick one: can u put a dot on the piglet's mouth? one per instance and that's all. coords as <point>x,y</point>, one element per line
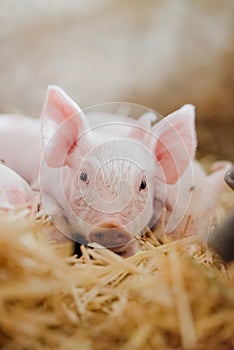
<point>125,251</point>
<point>114,238</point>
<point>128,247</point>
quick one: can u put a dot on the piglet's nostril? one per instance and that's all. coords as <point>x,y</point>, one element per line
<point>100,236</point>
<point>120,237</point>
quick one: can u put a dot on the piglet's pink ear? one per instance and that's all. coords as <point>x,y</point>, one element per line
<point>62,123</point>
<point>175,142</point>
<point>142,126</point>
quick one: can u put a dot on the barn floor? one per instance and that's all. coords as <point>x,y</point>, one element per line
<point>176,295</point>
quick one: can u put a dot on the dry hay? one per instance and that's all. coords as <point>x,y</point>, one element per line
<point>176,295</point>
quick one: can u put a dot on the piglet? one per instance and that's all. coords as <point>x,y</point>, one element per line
<point>194,199</point>
<point>105,178</point>
<point>20,145</point>
<point>14,190</point>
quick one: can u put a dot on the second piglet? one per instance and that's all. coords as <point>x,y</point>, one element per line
<point>14,190</point>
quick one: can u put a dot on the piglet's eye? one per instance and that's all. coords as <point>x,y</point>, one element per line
<point>142,185</point>
<point>83,176</point>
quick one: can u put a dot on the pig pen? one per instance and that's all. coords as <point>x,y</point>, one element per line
<point>170,295</point>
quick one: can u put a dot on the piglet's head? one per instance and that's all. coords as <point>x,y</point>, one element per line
<point>112,188</point>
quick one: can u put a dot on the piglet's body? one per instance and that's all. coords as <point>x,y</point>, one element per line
<point>14,190</point>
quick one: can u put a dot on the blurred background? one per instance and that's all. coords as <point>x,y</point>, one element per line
<point>161,54</point>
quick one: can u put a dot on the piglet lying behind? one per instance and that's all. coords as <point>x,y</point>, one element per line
<point>14,190</point>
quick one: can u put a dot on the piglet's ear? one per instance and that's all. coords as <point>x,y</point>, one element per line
<point>175,142</point>
<point>143,125</point>
<point>62,124</point>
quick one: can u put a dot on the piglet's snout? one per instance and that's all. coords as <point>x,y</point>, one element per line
<point>110,237</point>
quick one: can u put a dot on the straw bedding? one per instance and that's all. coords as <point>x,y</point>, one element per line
<point>176,295</point>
